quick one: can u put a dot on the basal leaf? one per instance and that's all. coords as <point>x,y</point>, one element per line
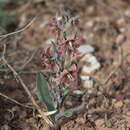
<point>44,92</point>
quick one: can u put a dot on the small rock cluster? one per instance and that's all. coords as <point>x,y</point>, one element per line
<point>89,65</point>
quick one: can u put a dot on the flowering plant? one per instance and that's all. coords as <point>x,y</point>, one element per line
<point>60,59</point>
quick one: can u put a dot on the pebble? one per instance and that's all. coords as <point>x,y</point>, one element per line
<point>88,83</point>
<point>120,39</point>
<point>127,13</point>
<point>99,122</point>
<point>121,21</point>
<point>118,104</point>
<point>90,10</point>
<point>86,49</point>
<point>128,113</point>
<point>122,30</point>
<point>90,64</point>
<point>89,24</point>
<point>84,77</point>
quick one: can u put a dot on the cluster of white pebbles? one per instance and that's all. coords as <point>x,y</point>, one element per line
<point>89,65</point>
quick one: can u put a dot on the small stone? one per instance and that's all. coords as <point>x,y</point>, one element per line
<point>86,49</point>
<point>89,24</point>
<point>99,122</point>
<point>90,64</point>
<point>121,21</point>
<point>118,104</point>
<point>128,113</point>
<point>127,13</point>
<point>122,30</point>
<point>113,101</point>
<point>89,116</point>
<point>84,77</point>
<point>90,10</point>
<point>88,83</point>
<point>120,39</point>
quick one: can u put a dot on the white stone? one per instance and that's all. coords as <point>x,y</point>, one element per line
<point>90,24</point>
<point>122,30</point>
<point>93,64</point>
<point>84,77</point>
<point>88,83</point>
<point>86,49</point>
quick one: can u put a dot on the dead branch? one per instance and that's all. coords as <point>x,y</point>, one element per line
<point>28,60</point>
<point>21,30</point>
<point>14,101</point>
<point>19,79</point>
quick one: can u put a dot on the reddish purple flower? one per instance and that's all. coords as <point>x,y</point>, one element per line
<point>46,58</point>
<point>54,24</point>
<point>68,76</point>
<point>65,45</point>
<point>71,44</point>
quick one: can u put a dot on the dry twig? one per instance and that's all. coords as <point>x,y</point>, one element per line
<point>12,100</point>
<point>21,30</point>
<point>28,60</point>
<point>18,78</point>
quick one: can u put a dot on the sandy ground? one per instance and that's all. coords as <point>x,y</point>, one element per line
<point>105,26</point>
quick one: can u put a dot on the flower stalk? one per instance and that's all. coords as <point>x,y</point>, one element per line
<point>60,59</point>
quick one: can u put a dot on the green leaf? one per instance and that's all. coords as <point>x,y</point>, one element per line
<point>44,92</point>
